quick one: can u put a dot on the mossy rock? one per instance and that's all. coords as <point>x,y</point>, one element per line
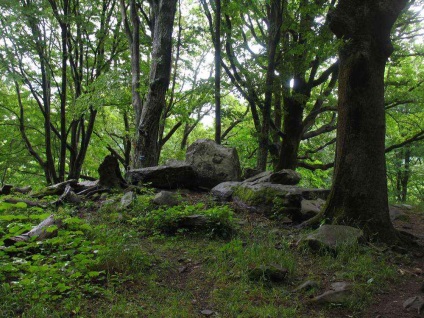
<point>331,237</point>
<point>269,199</point>
<point>268,273</point>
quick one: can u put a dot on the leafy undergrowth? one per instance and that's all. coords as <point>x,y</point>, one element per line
<point>107,262</point>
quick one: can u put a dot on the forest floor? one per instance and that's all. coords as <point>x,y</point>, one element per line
<point>112,262</point>
<point>389,303</point>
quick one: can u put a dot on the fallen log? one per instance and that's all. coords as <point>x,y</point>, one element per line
<point>55,189</point>
<point>40,231</point>
<point>67,196</point>
<point>23,190</point>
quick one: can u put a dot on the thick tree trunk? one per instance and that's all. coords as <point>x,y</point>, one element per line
<point>359,192</point>
<point>147,143</point>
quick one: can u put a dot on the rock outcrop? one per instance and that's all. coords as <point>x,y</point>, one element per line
<point>164,177</point>
<point>264,193</point>
<point>213,163</point>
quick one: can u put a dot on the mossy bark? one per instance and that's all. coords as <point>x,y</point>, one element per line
<point>359,192</point>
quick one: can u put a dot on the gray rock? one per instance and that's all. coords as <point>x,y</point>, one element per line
<point>127,199</point>
<point>285,177</point>
<point>207,312</point>
<point>308,285</point>
<point>404,206</point>
<point>310,208</point>
<point>332,236</point>
<point>395,213</point>
<point>338,286</point>
<point>269,199</point>
<point>269,273</point>
<point>314,194</point>
<point>190,222</point>
<point>223,192</point>
<point>175,163</point>
<point>414,303</point>
<point>213,163</point>
<point>259,177</point>
<point>339,293</point>
<point>165,177</point>
<point>166,198</point>
<point>250,172</point>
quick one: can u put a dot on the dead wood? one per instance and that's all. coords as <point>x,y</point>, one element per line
<point>55,189</point>
<point>23,190</point>
<point>109,174</point>
<point>40,231</point>
<point>67,196</point>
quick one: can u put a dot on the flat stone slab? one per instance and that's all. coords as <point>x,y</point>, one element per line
<point>284,177</point>
<point>164,177</point>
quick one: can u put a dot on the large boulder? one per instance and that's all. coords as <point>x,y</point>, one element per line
<point>213,163</point>
<point>165,177</point>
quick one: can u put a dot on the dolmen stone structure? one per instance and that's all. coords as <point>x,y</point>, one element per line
<point>209,166</point>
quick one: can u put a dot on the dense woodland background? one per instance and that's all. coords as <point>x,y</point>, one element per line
<point>75,75</point>
<point>291,84</point>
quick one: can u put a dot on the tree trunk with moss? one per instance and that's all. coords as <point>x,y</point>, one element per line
<point>359,192</point>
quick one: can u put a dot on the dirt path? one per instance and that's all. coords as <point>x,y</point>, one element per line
<point>390,303</point>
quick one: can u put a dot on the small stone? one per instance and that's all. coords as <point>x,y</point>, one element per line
<point>166,198</point>
<point>308,285</point>
<point>272,273</point>
<point>418,271</point>
<point>340,293</point>
<point>412,303</point>
<point>127,199</point>
<point>207,312</point>
<point>419,254</point>
<point>182,269</point>
<point>341,286</point>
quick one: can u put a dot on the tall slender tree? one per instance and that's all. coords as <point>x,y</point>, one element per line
<point>162,17</point>
<point>217,45</point>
